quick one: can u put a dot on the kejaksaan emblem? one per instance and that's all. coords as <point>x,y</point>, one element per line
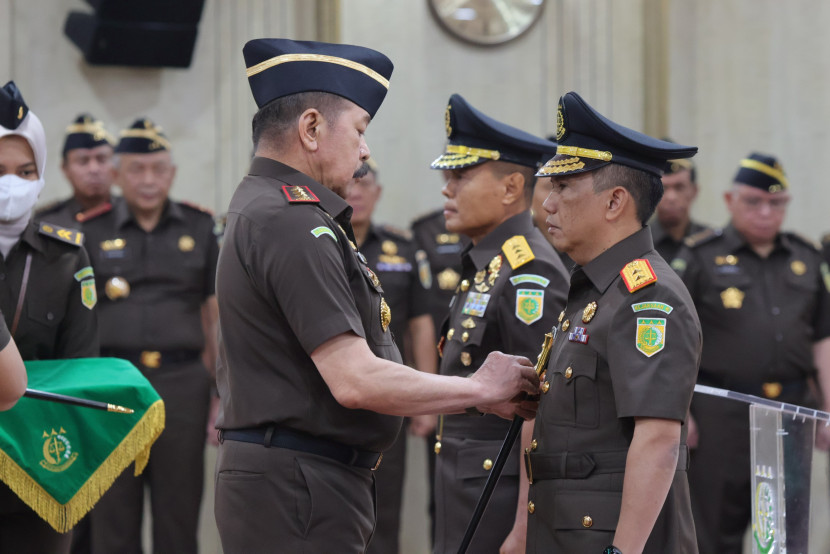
<point>57,451</point>
<point>651,335</point>
<point>529,305</point>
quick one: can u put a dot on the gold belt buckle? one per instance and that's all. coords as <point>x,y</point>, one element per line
<point>151,358</point>
<point>528,467</point>
<point>377,464</point>
<point>772,390</point>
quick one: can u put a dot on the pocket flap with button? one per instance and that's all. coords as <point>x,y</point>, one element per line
<point>581,363</point>
<point>595,510</point>
<point>473,336</point>
<point>471,462</point>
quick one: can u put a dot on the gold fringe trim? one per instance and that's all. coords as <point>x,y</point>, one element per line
<point>63,517</point>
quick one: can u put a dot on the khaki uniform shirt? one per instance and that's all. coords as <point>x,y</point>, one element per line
<point>152,285</point>
<point>443,254</point>
<point>760,316</point>
<point>392,256</point>
<point>665,244</point>
<point>617,355</point>
<point>288,280</point>
<point>57,319</point>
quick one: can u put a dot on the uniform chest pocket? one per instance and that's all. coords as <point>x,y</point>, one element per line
<point>593,511</point>
<point>805,282</point>
<point>573,389</point>
<point>46,310</point>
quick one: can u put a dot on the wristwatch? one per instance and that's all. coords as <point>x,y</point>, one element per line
<point>611,550</point>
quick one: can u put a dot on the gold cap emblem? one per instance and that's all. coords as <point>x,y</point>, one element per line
<point>186,243</point>
<point>117,287</point>
<point>560,123</point>
<point>385,315</point>
<point>448,121</point>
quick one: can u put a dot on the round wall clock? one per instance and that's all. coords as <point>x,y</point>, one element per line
<point>486,22</point>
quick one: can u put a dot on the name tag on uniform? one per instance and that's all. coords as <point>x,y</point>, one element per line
<point>476,304</point>
<point>383,266</point>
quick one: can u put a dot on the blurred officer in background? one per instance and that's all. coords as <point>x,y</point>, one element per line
<point>87,165</point>
<point>157,264</point>
<point>672,220</point>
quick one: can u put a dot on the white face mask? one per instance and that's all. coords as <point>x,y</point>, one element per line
<point>17,196</point>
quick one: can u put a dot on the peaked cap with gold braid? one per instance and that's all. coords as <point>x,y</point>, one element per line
<point>86,132</point>
<point>588,140</point>
<point>475,138</point>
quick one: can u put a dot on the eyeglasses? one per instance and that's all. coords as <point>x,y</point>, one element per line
<point>756,203</point>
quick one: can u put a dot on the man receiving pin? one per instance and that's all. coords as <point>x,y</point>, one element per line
<point>512,288</point>
<point>608,460</point>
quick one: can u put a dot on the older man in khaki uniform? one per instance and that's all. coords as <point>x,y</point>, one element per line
<point>607,464</point>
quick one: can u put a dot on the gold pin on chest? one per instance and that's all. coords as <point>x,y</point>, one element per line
<point>589,312</point>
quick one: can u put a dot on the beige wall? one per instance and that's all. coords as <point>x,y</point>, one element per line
<point>753,75</point>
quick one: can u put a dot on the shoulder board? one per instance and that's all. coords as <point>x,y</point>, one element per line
<point>517,251</point>
<point>93,212</point>
<point>804,240</point>
<point>298,194</point>
<point>197,207</point>
<point>702,237</point>
<point>397,232</point>
<point>638,274</point>
<point>427,216</point>
<point>69,236</point>
<point>50,207</point>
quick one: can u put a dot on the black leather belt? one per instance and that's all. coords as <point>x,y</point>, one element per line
<point>581,465</point>
<point>152,359</point>
<point>282,437</point>
<point>792,388</point>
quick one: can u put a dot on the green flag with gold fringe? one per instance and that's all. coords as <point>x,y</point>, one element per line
<point>58,458</point>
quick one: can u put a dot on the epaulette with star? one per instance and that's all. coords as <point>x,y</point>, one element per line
<point>804,240</point>
<point>69,236</point>
<point>638,274</point>
<point>702,237</point>
<point>517,251</point>
<point>197,207</point>
<point>92,213</point>
<point>299,194</point>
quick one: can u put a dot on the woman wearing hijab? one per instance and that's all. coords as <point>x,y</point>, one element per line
<point>47,290</point>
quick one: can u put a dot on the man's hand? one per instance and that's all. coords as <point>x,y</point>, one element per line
<point>212,439</point>
<point>515,541</point>
<point>507,381</point>
<point>423,425</point>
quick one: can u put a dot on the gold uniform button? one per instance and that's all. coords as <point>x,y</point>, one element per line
<point>466,359</point>
<point>488,464</point>
<point>587,521</point>
<point>545,387</point>
<point>450,334</point>
<point>465,284</point>
<point>531,507</point>
<point>566,324</point>
<point>569,373</point>
<point>465,336</point>
<point>533,444</point>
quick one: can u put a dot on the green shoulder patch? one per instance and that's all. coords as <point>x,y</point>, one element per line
<point>323,230</point>
<point>69,236</point>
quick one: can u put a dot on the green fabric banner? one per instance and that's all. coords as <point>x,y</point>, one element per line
<point>61,458</point>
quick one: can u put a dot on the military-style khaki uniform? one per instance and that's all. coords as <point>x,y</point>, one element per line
<point>289,279</point>
<point>512,289</point>
<point>56,321</point>
<point>760,318</point>
<point>393,257</point>
<point>665,244</point>
<point>152,286</point>
<point>624,347</point>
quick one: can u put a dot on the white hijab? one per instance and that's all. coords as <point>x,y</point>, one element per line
<point>32,130</point>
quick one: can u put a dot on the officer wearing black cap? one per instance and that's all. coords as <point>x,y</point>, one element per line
<point>47,290</point>
<point>762,296</point>
<point>308,366</point>
<point>157,264</point>
<point>607,464</point>
<point>512,287</point>
<point>87,165</point>
<point>672,219</point>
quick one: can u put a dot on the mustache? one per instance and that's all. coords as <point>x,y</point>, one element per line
<point>361,172</point>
